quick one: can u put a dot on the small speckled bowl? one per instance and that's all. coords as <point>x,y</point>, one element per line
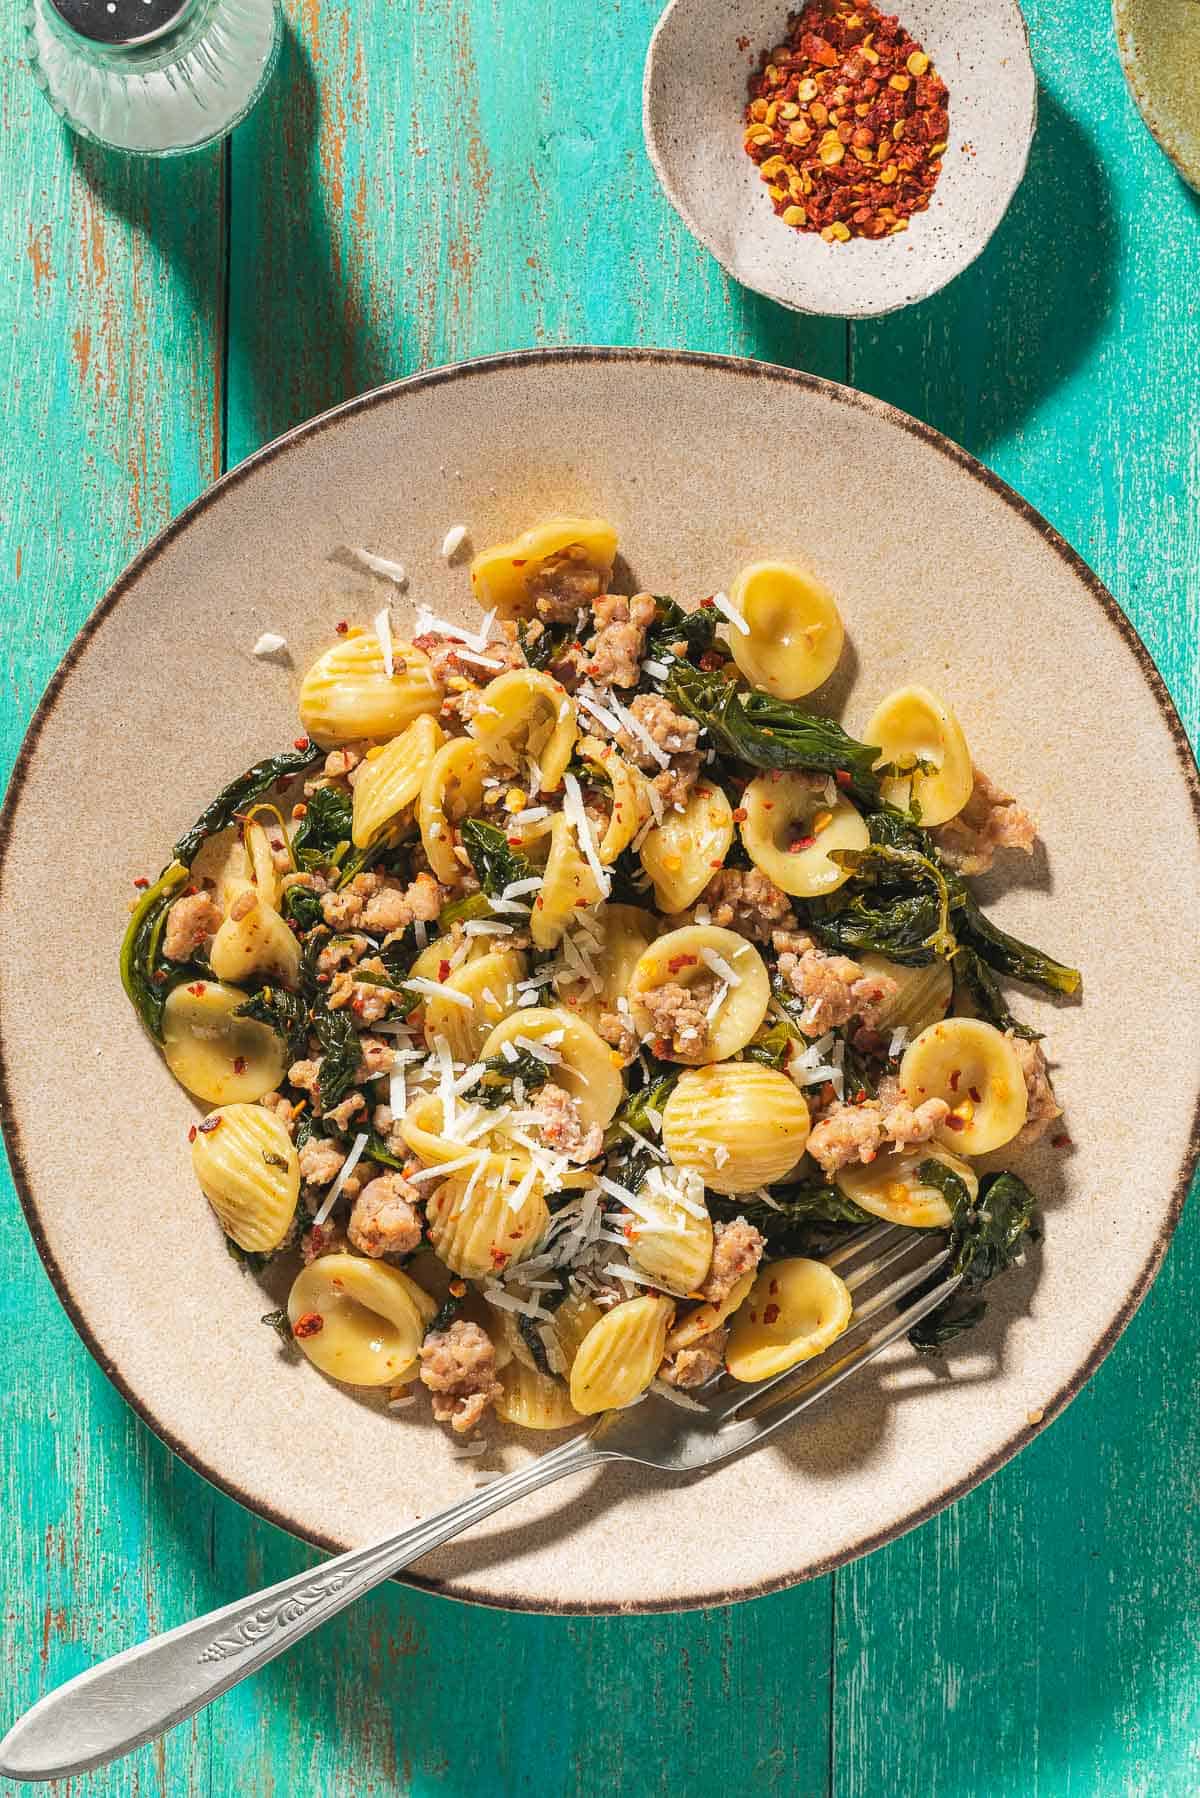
<point>696,87</point>
<point>1159,42</point>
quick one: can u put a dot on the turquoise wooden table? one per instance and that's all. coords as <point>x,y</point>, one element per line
<point>433,179</point>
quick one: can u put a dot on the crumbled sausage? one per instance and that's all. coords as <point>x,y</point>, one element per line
<point>1043,1106</point>
<point>618,1031</point>
<point>674,784</point>
<point>845,1135</point>
<point>315,883</point>
<point>339,763</point>
<point>190,923</point>
<point>562,1127</point>
<point>343,1115</point>
<point>368,1002</point>
<point>449,663</point>
<point>990,820</point>
<point>737,1250</point>
<point>905,1124</point>
<point>565,585</point>
<point>678,1017</point>
<point>695,1365</point>
<point>670,730</point>
<point>834,988</point>
<point>385,1220</point>
<point>281,1108</point>
<point>746,900</point>
<point>458,1366</point>
<point>617,648</point>
<point>320,1161</point>
<point>394,906</point>
<point>378,1057</point>
<point>306,1075</point>
<point>343,952</point>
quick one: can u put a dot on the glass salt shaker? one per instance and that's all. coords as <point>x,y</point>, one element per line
<point>154,76</point>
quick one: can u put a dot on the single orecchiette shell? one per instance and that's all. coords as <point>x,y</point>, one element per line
<point>890,1187</point>
<point>490,983</point>
<point>587,1068</point>
<point>671,1237</point>
<point>790,828</point>
<point>528,716</point>
<point>976,1070</point>
<point>682,854</point>
<point>698,952</point>
<point>795,638</point>
<point>912,726</point>
<point>922,995</point>
<point>501,576</point>
<point>738,1124</point>
<point>392,776</point>
<point>249,1172</point>
<point>217,1056</point>
<point>533,1401</point>
<point>254,943</point>
<point>358,1320</point>
<point>620,1355</point>
<point>451,791</point>
<point>478,1233</point>
<point>794,1311</point>
<point>568,884</point>
<point>348,693</point>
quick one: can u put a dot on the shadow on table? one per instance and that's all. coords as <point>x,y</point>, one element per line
<point>282,255</point>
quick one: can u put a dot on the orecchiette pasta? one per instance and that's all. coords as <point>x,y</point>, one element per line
<point>348,693</point>
<point>671,1235</point>
<point>976,1070</point>
<point>792,825</point>
<point>218,1056</point>
<point>794,1311</point>
<point>451,791</point>
<point>254,942</point>
<point>891,1187</point>
<point>586,1067</point>
<point>537,1095</point>
<point>249,1172</point>
<point>478,1230</point>
<point>922,994</point>
<point>737,1124</point>
<point>529,718</point>
<point>392,776</point>
<point>730,969</point>
<point>795,636</point>
<point>620,1355</point>
<point>569,885</point>
<point>922,740</point>
<point>506,576</point>
<point>359,1320</point>
<point>681,854</point>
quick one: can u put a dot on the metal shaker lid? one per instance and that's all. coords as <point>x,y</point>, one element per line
<point>122,22</point>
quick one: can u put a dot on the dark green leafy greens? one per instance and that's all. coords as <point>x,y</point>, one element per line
<point>281,1324</point>
<point>286,1014</point>
<point>672,626</point>
<point>986,1237</point>
<point>896,903</point>
<point>1006,954</point>
<point>628,1160</point>
<point>301,906</point>
<point>241,794</point>
<point>340,1055</point>
<point>146,974</point>
<point>495,862</point>
<point>542,646</point>
<point>495,1085</point>
<point>773,1047</point>
<point>975,983</point>
<point>799,1220</point>
<point>326,829</point>
<point>773,733</point>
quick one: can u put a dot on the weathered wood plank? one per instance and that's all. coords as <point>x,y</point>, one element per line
<point>1042,1636</point>
<point>110,357</point>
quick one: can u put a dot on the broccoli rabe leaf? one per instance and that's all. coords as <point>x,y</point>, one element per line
<point>986,1237</point>
<point>146,974</point>
<point>495,1085</point>
<point>496,863</point>
<point>325,831</point>
<point>240,794</point>
<point>544,643</point>
<point>975,983</point>
<point>895,897</point>
<point>340,1055</point>
<point>672,626</point>
<point>1006,954</point>
<point>773,733</point>
<point>286,1013</point>
<point>628,1161</point>
<point>804,1219</point>
<point>302,906</point>
<point>773,1046</point>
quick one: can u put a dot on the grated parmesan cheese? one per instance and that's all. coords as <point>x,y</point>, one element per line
<point>269,644</point>
<point>453,541</point>
<point>344,1172</point>
<point>389,571</point>
<point>383,630</point>
<point>728,610</point>
<point>720,967</point>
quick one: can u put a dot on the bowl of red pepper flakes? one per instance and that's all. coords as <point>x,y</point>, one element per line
<point>836,158</point>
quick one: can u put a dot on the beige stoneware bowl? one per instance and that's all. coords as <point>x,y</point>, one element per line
<point>949,580</point>
<point>693,103</point>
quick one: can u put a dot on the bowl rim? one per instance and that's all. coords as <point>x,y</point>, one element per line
<point>563,355</point>
<point>1185,162</point>
<point>700,231</point>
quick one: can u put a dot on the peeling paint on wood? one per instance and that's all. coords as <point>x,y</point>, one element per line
<point>444,178</point>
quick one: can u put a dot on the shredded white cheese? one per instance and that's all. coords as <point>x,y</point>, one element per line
<point>720,967</point>
<point>383,630</point>
<point>269,644</point>
<point>453,540</point>
<point>728,610</point>
<point>390,571</point>
<point>344,1172</point>
<point>416,984</point>
<point>574,809</point>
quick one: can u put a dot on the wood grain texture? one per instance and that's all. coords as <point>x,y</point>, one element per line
<point>443,178</point>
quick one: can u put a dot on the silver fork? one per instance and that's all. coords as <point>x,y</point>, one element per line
<point>127,1700</point>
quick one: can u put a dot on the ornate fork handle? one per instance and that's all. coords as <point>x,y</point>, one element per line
<point>117,1705</point>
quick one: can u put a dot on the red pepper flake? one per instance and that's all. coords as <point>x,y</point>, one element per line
<point>499,1258</point>
<point>158,976</point>
<point>771,1314</point>
<point>681,961</point>
<point>207,1125</point>
<point>239,1064</point>
<point>847,122</point>
<point>341,627</point>
<point>716,864</point>
<point>955,1077</point>
<point>192,1133</point>
<point>843,776</point>
<point>707,605</point>
<point>800,845</point>
<point>711,660</point>
<point>740,814</point>
<point>975,1094</point>
<point>443,970</point>
<point>514,842</point>
<point>954,1123</point>
<point>1061,1141</point>
<point>300,743</point>
<point>198,988</point>
<point>310,1324</point>
<point>521,563</point>
<point>141,881</point>
<point>773,1287</point>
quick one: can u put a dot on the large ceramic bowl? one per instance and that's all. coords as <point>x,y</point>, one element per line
<point>1159,44</point>
<point>946,578</point>
<point>694,97</point>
